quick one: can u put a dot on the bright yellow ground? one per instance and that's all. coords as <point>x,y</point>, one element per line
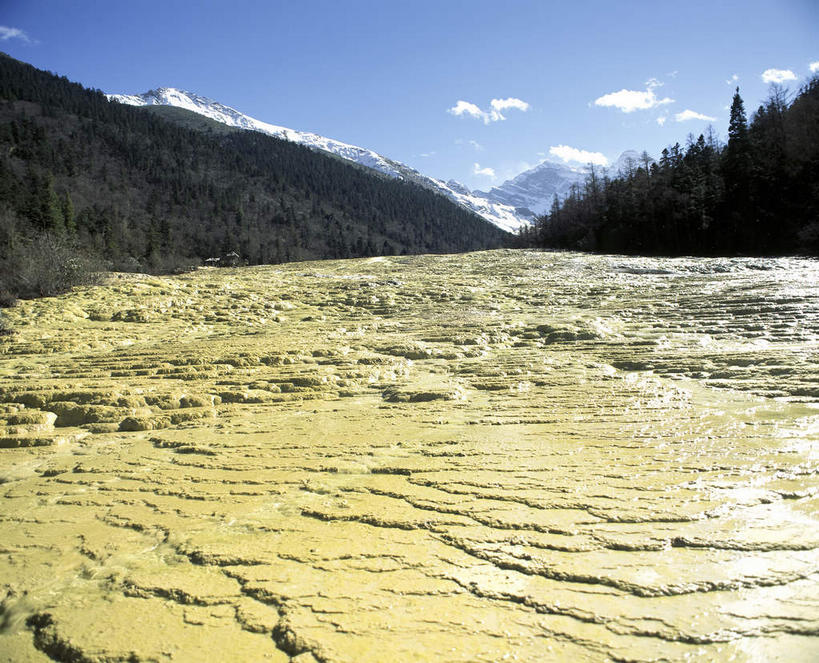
<point>493,457</point>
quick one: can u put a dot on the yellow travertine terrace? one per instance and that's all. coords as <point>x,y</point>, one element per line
<point>501,456</point>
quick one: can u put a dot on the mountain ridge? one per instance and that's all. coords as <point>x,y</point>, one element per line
<point>511,205</point>
<point>501,215</point>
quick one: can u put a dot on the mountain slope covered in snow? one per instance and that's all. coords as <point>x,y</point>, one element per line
<point>511,205</point>
<point>502,215</point>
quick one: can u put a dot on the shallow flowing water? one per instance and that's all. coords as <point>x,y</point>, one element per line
<point>490,457</point>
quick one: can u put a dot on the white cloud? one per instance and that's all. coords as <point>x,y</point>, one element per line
<point>486,172</point>
<point>509,102</point>
<point>493,115</point>
<point>732,80</point>
<point>567,154</point>
<point>500,105</point>
<point>688,114</point>
<point>661,120</point>
<point>427,154</point>
<point>777,75</point>
<point>465,108</point>
<point>814,67</point>
<point>629,101</point>
<point>7,33</point>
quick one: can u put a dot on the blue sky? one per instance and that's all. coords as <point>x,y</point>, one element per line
<point>415,80</point>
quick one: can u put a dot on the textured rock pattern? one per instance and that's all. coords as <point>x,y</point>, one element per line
<point>497,456</point>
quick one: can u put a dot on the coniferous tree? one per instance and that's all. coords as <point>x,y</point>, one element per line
<point>738,228</point>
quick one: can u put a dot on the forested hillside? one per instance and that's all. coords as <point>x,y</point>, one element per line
<point>756,195</point>
<point>141,190</point>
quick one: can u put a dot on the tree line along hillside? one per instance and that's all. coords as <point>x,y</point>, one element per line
<point>756,195</point>
<point>153,191</point>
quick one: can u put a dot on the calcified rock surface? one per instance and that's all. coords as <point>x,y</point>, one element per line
<point>497,456</point>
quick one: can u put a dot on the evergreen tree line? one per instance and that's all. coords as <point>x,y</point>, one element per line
<point>135,189</point>
<point>756,195</point>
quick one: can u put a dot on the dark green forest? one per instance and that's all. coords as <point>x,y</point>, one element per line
<point>758,194</point>
<point>87,183</point>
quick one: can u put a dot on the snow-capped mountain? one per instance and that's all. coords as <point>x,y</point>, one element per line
<point>168,96</point>
<point>502,215</point>
<point>535,189</point>
<point>510,206</point>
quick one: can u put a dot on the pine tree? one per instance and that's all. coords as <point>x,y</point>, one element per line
<point>738,123</point>
<point>737,230</point>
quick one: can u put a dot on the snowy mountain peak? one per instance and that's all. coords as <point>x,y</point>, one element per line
<point>171,96</point>
<point>531,193</point>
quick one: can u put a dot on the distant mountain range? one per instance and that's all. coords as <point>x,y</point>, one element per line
<point>513,204</point>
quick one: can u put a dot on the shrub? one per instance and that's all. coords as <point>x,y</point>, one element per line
<point>47,265</point>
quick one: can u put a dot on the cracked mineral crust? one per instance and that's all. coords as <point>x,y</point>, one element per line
<point>499,456</point>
